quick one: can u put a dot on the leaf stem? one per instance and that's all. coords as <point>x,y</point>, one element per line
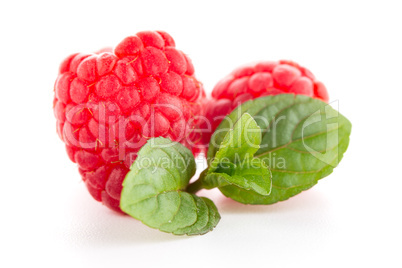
<point>195,186</point>
<point>198,184</point>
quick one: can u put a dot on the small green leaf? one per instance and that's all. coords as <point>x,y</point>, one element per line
<point>153,190</point>
<point>303,140</point>
<point>234,164</point>
<point>240,142</point>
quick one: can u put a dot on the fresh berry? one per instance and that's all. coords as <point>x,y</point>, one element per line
<point>108,104</point>
<point>258,80</point>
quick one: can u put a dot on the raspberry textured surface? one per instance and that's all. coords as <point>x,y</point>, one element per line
<point>108,104</point>
<point>254,81</point>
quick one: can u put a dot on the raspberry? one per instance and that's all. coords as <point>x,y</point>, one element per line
<point>258,80</point>
<point>107,105</point>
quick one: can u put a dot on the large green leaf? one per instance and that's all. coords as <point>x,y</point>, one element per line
<point>303,139</point>
<point>153,190</point>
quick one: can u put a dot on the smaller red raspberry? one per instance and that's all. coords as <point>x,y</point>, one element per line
<point>254,81</point>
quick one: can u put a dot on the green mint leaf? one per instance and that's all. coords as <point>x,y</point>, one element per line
<point>303,140</point>
<point>234,164</point>
<point>254,176</point>
<point>153,190</point>
<point>240,142</point>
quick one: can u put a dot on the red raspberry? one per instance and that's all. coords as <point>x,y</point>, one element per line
<point>109,103</point>
<point>258,80</point>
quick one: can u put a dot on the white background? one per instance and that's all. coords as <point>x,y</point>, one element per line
<point>351,218</point>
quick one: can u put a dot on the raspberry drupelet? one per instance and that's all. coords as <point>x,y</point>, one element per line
<point>254,81</point>
<point>108,104</point>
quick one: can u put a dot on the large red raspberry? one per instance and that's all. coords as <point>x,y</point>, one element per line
<point>258,80</point>
<point>109,103</point>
